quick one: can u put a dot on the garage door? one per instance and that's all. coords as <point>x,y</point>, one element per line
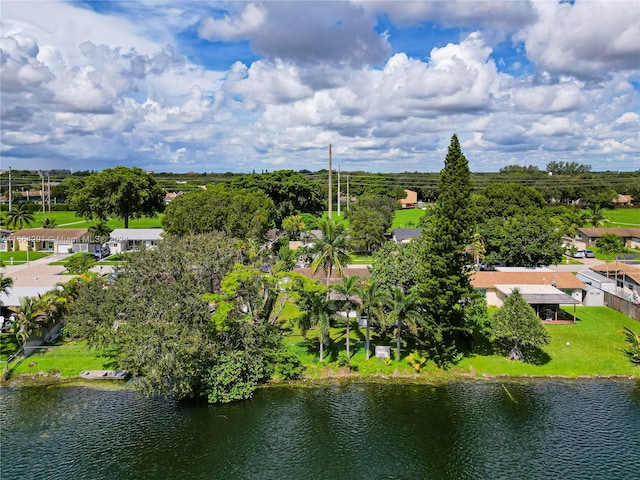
<point>63,247</point>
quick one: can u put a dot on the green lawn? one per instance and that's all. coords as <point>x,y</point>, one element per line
<point>589,347</point>
<point>70,220</point>
<point>21,257</point>
<point>66,359</point>
<point>407,218</point>
<point>622,217</point>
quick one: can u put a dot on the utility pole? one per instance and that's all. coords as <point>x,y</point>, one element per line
<point>347,193</point>
<point>339,197</point>
<point>49,191</point>
<point>42,193</point>
<point>10,188</point>
<point>330,193</point>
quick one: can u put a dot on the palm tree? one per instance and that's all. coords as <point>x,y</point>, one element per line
<point>403,312</point>
<point>373,298</point>
<point>100,232</point>
<point>595,216</point>
<point>28,316</point>
<point>5,283</point>
<point>349,291</point>
<point>18,217</point>
<point>48,223</point>
<point>330,250</point>
<point>316,313</point>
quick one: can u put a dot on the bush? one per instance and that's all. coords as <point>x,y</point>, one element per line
<point>611,243</point>
<point>80,264</point>
<point>235,376</point>
<point>632,346</point>
<point>287,365</point>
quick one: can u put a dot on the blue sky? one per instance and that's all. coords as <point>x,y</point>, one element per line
<point>242,86</point>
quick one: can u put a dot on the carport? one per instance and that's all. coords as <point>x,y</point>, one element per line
<point>545,299</point>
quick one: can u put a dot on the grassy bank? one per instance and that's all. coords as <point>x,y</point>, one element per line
<point>590,347</point>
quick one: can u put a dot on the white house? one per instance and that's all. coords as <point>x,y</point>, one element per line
<point>124,239</point>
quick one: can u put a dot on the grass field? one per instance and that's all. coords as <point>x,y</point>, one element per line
<point>21,257</point>
<point>622,217</point>
<point>407,218</point>
<point>70,220</point>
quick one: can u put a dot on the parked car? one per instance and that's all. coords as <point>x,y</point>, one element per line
<point>101,253</point>
<point>589,254</point>
<point>579,254</point>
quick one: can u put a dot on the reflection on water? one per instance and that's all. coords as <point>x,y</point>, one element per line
<point>550,429</point>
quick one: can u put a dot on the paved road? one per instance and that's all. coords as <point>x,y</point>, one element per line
<point>585,265</point>
<point>40,274</point>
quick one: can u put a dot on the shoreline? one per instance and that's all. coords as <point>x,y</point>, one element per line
<point>341,378</point>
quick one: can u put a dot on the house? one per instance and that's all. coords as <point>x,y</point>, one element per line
<point>626,277</point>
<point>57,240</point>
<point>410,200</point>
<point>622,200</point>
<point>125,239</point>
<point>544,291</point>
<point>4,233</point>
<point>405,235</point>
<point>589,236</point>
<point>170,196</point>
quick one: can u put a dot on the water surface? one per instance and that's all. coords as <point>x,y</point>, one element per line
<point>530,430</point>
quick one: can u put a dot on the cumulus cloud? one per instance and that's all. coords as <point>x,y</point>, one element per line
<point>584,39</point>
<point>303,32</point>
<point>71,92</point>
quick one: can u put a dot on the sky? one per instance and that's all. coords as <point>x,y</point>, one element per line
<point>198,86</point>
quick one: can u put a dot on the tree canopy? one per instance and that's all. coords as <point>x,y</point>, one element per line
<point>238,213</point>
<point>290,192</point>
<point>119,192</point>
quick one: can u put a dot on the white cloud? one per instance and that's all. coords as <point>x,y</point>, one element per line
<point>585,39</point>
<point>242,26</point>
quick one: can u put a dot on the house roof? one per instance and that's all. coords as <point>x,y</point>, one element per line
<point>402,234</point>
<point>612,269</point>
<point>622,198</point>
<point>621,232</point>
<point>486,280</point>
<point>51,234</point>
<point>321,275</point>
<point>13,295</point>
<point>125,234</point>
<point>539,294</point>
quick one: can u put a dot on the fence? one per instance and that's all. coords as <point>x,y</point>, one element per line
<point>630,309</point>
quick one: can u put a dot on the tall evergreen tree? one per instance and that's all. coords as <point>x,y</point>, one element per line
<point>444,287</point>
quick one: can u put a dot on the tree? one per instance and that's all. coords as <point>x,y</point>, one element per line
<point>293,225</point>
<point>383,205</point>
<point>397,265</point>
<point>100,232</point>
<point>517,322</point>
<point>290,191</point>
<point>567,168</point>
<point>632,345</point>
<point>119,192</point>
<point>181,317</point>
<point>238,213</point>
<point>5,283</point>
<point>28,317</point>
<point>444,286</point>
<point>373,298</point>
<point>610,243</point>
<point>330,251</point>
<point>595,216</point>
<point>48,223</point>
<point>366,230</point>
<point>524,241</point>
<point>19,217</point>
<point>315,308</point>
<point>349,291</point>
<point>507,199</point>
<point>403,312</point>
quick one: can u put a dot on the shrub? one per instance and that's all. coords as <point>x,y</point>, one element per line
<point>80,264</point>
<point>235,376</point>
<point>632,346</point>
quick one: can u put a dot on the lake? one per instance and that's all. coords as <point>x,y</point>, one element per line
<point>549,429</point>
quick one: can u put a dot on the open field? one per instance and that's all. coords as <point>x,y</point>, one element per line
<point>407,218</point>
<point>15,258</point>
<point>622,217</point>
<point>70,220</point>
